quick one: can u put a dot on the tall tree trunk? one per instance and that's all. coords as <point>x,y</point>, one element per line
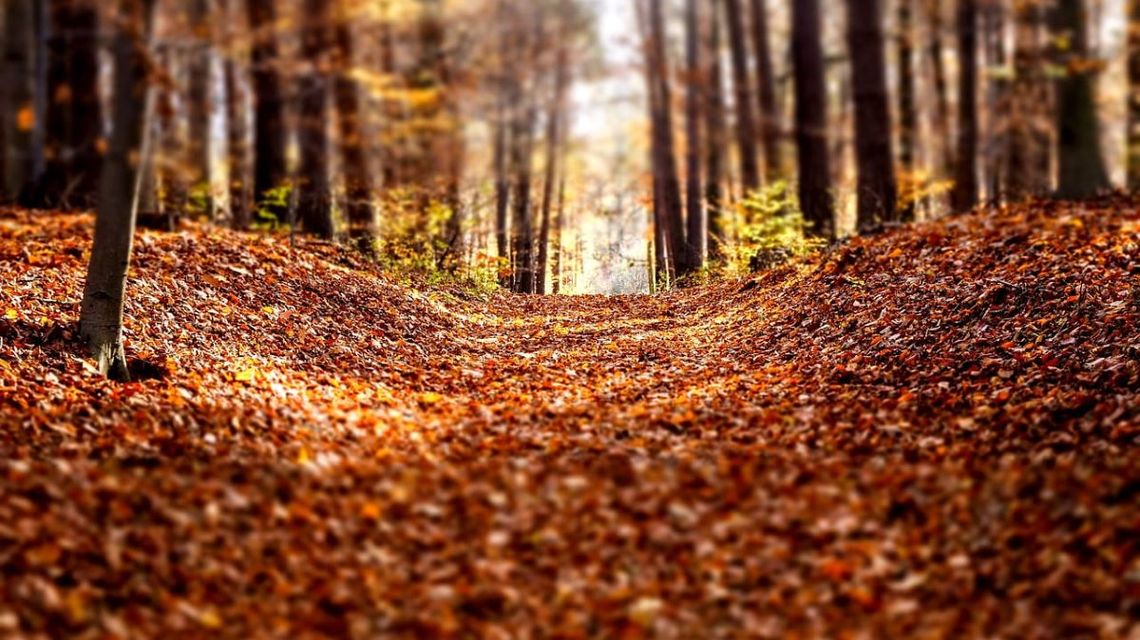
<point>816,200</point>
<point>965,195</point>
<point>1081,171</point>
<point>313,190</point>
<point>270,172</point>
<point>200,106</point>
<point>908,111</point>
<point>1028,158</point>
<point>877,197</point>
<point>522,234</point>
<point>695,229</point>
<point>18,98</point>
<point>559,228</point>
<point>997,94</point>
<point>745,125</point>
<point>101,312</point>
<point>502,182</point>
<point>770,121</point>
<point>554,142</point>
<point>74,116</point>
<point>671,203</point>
<point>717,134</point>
<point>237,133</point>
<point>1133,95</point>
<point>941,124</point>
<point>358,184</point>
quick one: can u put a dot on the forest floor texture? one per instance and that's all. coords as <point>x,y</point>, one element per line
<point>934,432</point>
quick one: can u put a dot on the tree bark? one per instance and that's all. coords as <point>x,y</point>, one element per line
<point>17,98</point>
<point>695,226</point>
<point>101,312</point>
<point>358,184</point>
<point>908,110</point>
<point>270,171</point>
<point>1133,95</point>
<point>554,142</point>
<point>313,190</point>
<point>200,106</point>
<point>1028,159</point>
<point>816,199</point>
<point>770,121</point>
<point>941,124</point>
<point>717,134</point>
<point>876,195</point>
<point>965,195</point>
<point>237,133</point>
<point>1080,166</point>
<point>745,125</point>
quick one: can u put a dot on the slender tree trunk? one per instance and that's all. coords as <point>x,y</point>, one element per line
<point>717,134</point>
<point>941,125</point>
<point>965,196</point>
<point>816,199</point>
<point>1081,170</point>
<point>19,101</point>
<point>672,207</point>
<point>554,135</point>
<point>522,235</point>
<point>200,105</point>
<point>559,227</point>
<point>313,190</point>
<point>695,229</point>
<point>270,172</point>
<point>1028,159</point>
<point>745,124</point>
<point>770,121</point>
<point>237,134</point>
<point>997,95</point>
<point>908,111</point>
<point>358,184</point>
<point>1133,95</point>
<point>874,160</point>
<point>101,312</point>
<point>502,183</point>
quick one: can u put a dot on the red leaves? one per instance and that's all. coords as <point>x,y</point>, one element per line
<point>929,432</point>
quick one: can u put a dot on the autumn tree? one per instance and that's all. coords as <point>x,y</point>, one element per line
<point>695,225</point>
<point>1028,158</point>
<point>876,178</point>
<point>907,102</point>
<point>1133,95</point>
<point>101,312</point>
<point>816,198</point>
<point>1080,166</point>
<point>358,182</point>
<point>20,153</point>
<point>235,76</point>
<point>716,137</point>
<point>745,125</point>
<point>200,104</point>
<point>770,120</point>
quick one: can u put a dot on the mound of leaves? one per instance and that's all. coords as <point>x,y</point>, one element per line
<point>932,432</point>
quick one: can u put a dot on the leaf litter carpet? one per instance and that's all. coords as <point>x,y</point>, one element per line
<point>929,433</point>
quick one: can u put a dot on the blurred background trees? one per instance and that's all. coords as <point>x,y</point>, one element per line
<point>577,145</point>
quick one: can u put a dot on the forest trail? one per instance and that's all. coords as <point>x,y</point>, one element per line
<point>932,432</point>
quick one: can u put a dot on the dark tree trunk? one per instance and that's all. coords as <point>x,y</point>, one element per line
<point>237,136</point>
<point>941,124</point>
<point>101,312</point>
<point>908,111</point>
<point>270,172</point>
<point>745,125</point>
<point>74,117</point>
<point>1028,159</point>
<point>770,121</point>
<point>200,107</point>
<point>358,184</point>
<point>522,234</point>
<point>559,227</point>
<point>18,99</point>
<point>997,95</point>
<point>666,163</point>
<point>314,195</point>
<point>874,159</point>
<point>965,195</point>
<point>502,182</point>
<point>554,142</point>
<point>1134,95</point>
<point>717,134</point>
<point>816,200</point>
<point>1080,165</point>
<point>695,227</point>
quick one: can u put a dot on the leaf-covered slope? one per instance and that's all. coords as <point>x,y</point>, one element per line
<point>931,432</point>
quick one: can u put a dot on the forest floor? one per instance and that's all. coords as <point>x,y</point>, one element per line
<point>934,432</point>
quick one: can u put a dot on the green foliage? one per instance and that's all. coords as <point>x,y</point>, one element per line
<point>768,219</point>
<point>272,201</point>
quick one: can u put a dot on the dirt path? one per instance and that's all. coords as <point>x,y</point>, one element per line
<point>930,434</point>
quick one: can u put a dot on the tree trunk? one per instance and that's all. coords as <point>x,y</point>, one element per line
<point>559,227</point>
<point>554,142</point>
<point>941,124</point>
<point>717,134</point>
<point>101,312</point>
<point>908,111</point>
<point>876,195</point>
<point>770,121</point>
<point>270,172</point>
<point>1133,95</point>
<point>358,184</point>
<point>965,195</point>
<point>816,200</point>
<point>1081,170</point>
<point>695,229</point>
<point>200,106</point>
<point>314,195</point>
<point>237,134</point>
<point>997,95</point>
<point>502,182</point>
<point>18,98</point>
<point>522,235</point>
<point>745,125</point>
